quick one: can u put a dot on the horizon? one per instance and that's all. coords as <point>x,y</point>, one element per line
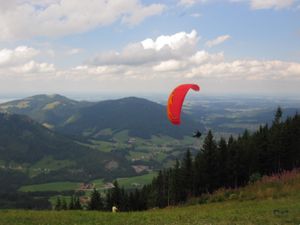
<point>160,97</point>
<point>227,47</point>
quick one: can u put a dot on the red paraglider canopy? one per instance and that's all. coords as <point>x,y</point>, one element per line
<point>176,100</point>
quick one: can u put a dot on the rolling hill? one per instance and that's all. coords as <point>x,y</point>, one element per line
<point>50,138</point>
<point>49,110</point>
<point>37,155</point>
<point>139,117</point>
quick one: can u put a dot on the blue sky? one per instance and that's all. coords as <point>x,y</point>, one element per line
<point>134,46</point>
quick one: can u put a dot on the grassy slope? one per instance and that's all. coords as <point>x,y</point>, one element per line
<point>53,186</point>
<point>232,212</point>
<point>126,182</point>
<point>131,182</point>
<point>272,200</point>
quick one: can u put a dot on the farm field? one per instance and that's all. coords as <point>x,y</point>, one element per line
<point>137,181</point>
<point>126,182</point>
<point>54,186</point>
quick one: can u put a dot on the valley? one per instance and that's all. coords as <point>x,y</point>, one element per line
<point>61,145</point>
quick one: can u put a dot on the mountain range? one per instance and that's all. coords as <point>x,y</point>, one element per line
<point>51,138</point>
<point>47,138</point>
<point>140,117</point>
<point>42,155</point>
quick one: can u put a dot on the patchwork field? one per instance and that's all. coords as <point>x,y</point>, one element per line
<point>54,186</point>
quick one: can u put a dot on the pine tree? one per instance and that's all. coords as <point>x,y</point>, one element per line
<point>276,141</point>
<point>199,174</point>
<point>278,116</point>
<point>222,159</point>
<point>64,204</point>
<point>58,204</point>
<point>77,204</point>
<point>108,201</point>
<point>262,144</point>
<point>210,157</point>
<point>230,141</point>
<point>116,194</point>
<point>124,202</point>
<point>159,190</point>
<point>176,184</point>
<point>131,202</point>
<point>72,204</point>
<point>226,164</point>
<point>96,202</point>
<point>187,173</point>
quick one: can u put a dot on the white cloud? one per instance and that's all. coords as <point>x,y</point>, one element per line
<point>191,2</point>
<point>34,67</point>
<point>162,48</point>
<point>174,42</point>
<point>201,57</point>
<point>268,4</point>
<point>18,55</point>
<point>156,63</point>
<point>254,4</point>
<point>21,19</point>
<point>170,65</point>
<point>74,51</point>
<point>19,61</point>
<point>196,15</point>
<point>217,41</point>
<point>140,13</point>
<point>210,68</point>
<point>248,69</point>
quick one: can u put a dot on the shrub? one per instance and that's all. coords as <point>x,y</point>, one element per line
<point>254,178</point>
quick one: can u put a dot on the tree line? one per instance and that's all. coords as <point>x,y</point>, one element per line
<point>224,163</point>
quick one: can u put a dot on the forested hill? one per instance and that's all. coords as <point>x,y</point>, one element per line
<point>140,117</point>
<point>50,110</point>
<point>101,120</point>
<point>224,164</point>
<point>26,148</point>
<point>232,163</point>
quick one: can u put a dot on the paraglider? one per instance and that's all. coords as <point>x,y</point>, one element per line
<point>176,100</point>
<point>197,134</point>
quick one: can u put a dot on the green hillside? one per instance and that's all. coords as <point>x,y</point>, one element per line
<point>49,110</point>
<point>272,200</point>
<point>100,120</point>
<point>267,212</point>
<point>54,186</point>
<point>134,129</point>
<point>140,117</point>
<point>31,153</point>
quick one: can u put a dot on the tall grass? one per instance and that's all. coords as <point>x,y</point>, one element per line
<point>284,184</point>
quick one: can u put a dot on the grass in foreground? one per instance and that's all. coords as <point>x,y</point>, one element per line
<point>272,200</point>
<point>267,212</point>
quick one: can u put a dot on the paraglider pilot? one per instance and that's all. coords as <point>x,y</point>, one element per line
<point>114,209</point>
<point>197,134</point>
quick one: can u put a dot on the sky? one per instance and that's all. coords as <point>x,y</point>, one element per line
<point>132,46</point>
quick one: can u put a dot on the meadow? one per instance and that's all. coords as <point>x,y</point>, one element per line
<point>268,201</point>
<point>267,212</point>
<point>53,186</point>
